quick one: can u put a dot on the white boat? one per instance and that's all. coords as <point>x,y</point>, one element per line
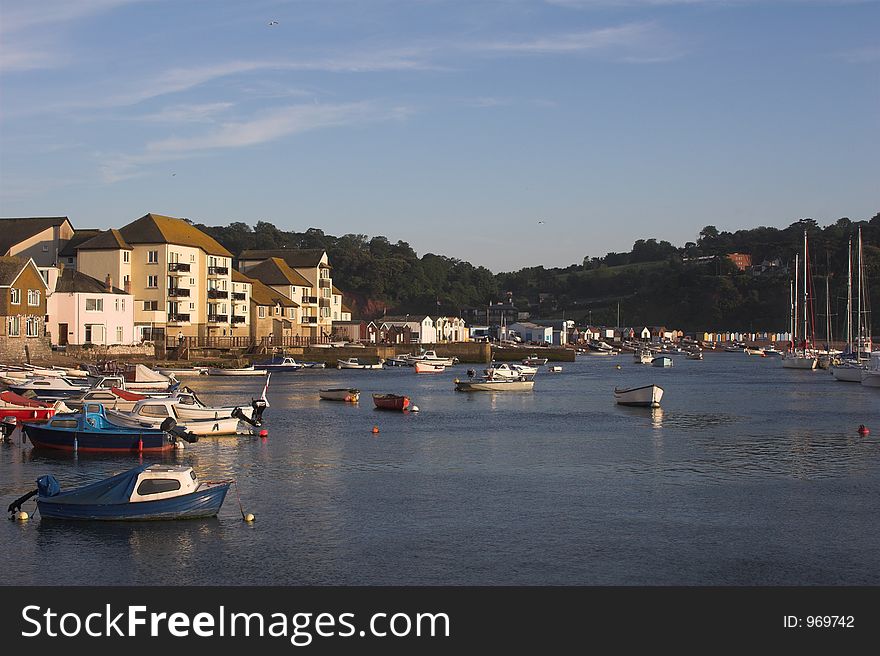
<point>871,376</point>
<point>398,361</point>
<point>694,355</point>
<point>534,361</point>
<point>794,360</point>
<point>505,371</point>
<point>661,361</point>
<point>647,396</point>
<point>426,367</point>
<point>755,351</point>
<point>643,356</point>
<point>152,412</point>
<point>284,364</point>
<point>348,394</point>
<point>849,372</point>
<point>487,385</point>
<point>771,352</point>
<point>57,387</point>
<point>430,356</point>
<point>354,363</point>
<point>242,371</point>
<point>183,373</point>
<point>554,368</point>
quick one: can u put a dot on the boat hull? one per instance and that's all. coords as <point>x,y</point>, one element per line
<point>423,367</point>
<point>495,386</point>
<point>146,441</point>
<point>848,374</point>
<point>347,395</point>
<point>798,363</point>
<point>644,397</point>
<point>202,503</point>
<point>391,402</point>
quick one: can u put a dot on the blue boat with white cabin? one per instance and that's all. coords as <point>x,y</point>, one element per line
<point>146,492</point>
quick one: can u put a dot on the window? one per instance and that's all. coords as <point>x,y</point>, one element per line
<point>45,248</point>
<point>192,282</point>
<point>33,327</point>
<point>125,280</point>
<point>15,296</point>
<point>34,297</point>
<point>119,334</point>
<point>325,312</point>
<point>116,304</point>
<point>151,306</point>
<point>152,281</point>
<point>70,260</point>
<point>126,256</point>
<point>325,292</point>
<point>88,333</point>
<point>152,257</point>
<point>64,423</point>
<point>261,311</point>
<point>96,305</point>
<point>243,309</point>
<point>278,309</point>
<point>157,486</point>
<point>335,300</point>
<point>192,257</point>
<point>123,304</point>
<point>335,317</point>
<point>154,411</point>
<point>192,306</point>
<point>14,329</point>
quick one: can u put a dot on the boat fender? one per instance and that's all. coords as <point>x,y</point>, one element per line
<point>375,429</point>
<point>22,516</point>
<point>415,408</point>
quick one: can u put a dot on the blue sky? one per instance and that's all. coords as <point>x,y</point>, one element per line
<point>455,126</point>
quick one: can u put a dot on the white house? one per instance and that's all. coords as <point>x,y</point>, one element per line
<point>530,332</point>
<point>422,328</point>
<point>83,310</point>
<point>450,329</point>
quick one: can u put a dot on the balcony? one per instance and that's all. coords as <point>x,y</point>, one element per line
<point>178,318</point>
<point>217,293</point>
<point>218,318</point>
<point>239,296</point>
<point>178,267</point>
<point>238,319</point>
<point>325,283</point>
<point>178,292</point>
<point>309,320</point>
<point>310,299</point>
<point>218,271</point>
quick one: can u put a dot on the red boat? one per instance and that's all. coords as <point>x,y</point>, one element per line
<point>391,402</point>
<point>24,409</point>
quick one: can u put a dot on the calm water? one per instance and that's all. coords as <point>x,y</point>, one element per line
<point>750,474</point>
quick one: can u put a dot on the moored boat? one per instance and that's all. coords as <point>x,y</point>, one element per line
<point>391,402</point>
<point>426,367</point>
<point>498,385</point>
<point>647,396</point>
<point>661,361</point>
<point>282,364</point>
<point>354,363</point>
<point>146,492</point>
<point>643,356</point>
<point>24,409</point>
<point>348,394</point>
<point>534,361</point>
<point>153,412</point>
<point>92,432</point>
<point>241,371</point>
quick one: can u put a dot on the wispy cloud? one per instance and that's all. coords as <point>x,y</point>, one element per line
<point>186,113</point>
<point>25,15</point>
<point>586,4</point>
<point>263,128</point>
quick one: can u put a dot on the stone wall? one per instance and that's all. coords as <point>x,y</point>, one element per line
<point>12,349</point>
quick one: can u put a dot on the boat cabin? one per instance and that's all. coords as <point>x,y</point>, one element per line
<point>164,482</point>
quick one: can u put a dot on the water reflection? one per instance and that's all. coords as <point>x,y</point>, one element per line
<point>657,417</point>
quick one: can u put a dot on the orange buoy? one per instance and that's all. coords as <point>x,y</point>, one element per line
<point>375,429</point>
<point>864,430</point>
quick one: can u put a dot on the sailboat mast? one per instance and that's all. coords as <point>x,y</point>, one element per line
<point>794,316</point>
<point>849,295</point>
<point>859,304</point>
<point>827,314</point>
<point>806,290</point>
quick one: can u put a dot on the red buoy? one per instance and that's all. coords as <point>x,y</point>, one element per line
<point>264,433</point>
<point>864,430</point>
<point>140,445</point>
<point>375,429</point>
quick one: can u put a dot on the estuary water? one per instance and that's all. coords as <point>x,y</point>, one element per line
<point>750,474</point>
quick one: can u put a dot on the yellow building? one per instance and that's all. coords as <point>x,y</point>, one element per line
<point>180,277</point>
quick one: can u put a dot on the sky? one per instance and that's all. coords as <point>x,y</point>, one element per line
<point>508,133</point>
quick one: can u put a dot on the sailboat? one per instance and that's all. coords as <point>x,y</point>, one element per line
<point>801,352</point>
<point>854,369</point>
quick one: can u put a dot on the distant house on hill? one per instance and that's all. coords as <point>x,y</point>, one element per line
<point>742,261</point>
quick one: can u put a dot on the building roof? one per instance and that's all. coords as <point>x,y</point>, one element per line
<point>79,237</point>
<point>295,257</point>
<point>71,281</point>
<point>15,230</point>
<point>11,267</point>
<point>409,318</point>
<point>264,295</point>
<point>352,322</point>
<point>107,240</point>
<point>238,276</point>
<point>276,271</point>
<point>159,229</point>
<point>345,308</point>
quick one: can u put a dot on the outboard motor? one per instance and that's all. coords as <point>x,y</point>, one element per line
<point>177,432</point>
<point>7,428</point>
<point>256,419</point>
<point>15,506</point>
<point>471,373</point>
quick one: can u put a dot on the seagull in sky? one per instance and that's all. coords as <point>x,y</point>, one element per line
<point>271,23</point>
<point>540,222</point>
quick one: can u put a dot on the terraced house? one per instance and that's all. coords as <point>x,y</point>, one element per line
<point>303,275</point>
<point>181,278</point>
<point>22,310</point>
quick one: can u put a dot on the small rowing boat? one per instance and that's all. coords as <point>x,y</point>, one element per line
<point>427,367</point>
<point>647,396</point>
<point>349,394</point>
<point>391,402</point>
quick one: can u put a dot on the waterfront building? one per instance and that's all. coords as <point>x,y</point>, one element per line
<point>530,332</point>
<point>179,276</point>
<point>420,329</point>
<point>451,329</point>
<point>22,310</point>
<point>240,302</point>
<point>350,331</point>
<point>83,310</point>
<point>67,254</point>
<point>272,314</point>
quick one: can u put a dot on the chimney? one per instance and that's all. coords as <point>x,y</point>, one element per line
<point>108,283</point>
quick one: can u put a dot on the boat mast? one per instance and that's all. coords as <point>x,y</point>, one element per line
<point>859,305</point>
<point>849,295</point>
<point>806,291</point>
<point>794,318</point>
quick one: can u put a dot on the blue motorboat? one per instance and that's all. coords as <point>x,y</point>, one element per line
<point>92,432</point>
<point>280,364</point>
<point>147,492</point>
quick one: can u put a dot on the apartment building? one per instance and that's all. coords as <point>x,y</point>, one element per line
<point>181,278</point>
<point>37,238</point>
